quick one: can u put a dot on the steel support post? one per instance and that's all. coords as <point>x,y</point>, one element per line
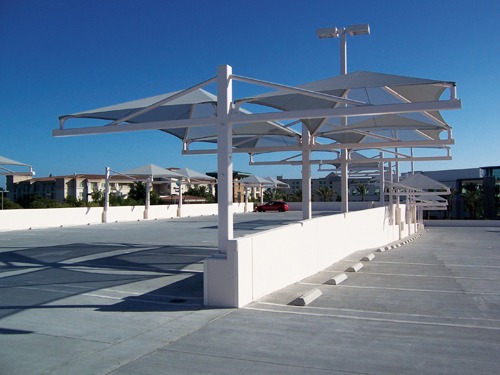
<point>246,199</point>
<point>106,196</point>
<point>148,198</point>
<point>179,204</point>
<point>306,174</point>
<point>224,157</point>
<point>343,53</point>
<point>382,180</point>
<point>344,180</point>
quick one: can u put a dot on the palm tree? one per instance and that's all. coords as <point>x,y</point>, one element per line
<point>473,197</point>
<point>138,192</point>
<point>296,196</point>
<point>97,197</point>
<point>449,201</point>
<point>273,195</point>
<point>362,190</point>
<point>324,193</point>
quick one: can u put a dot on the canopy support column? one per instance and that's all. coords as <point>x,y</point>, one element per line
<point>224,156</point>
<point>246,199</point>
<point>179,204</point>
<point>148,198</point>
<point>344,180</point>
<point>106,196</point>
<point>306,174</point>
<point>382,180</point>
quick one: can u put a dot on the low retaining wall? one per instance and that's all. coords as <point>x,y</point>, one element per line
<point>334,206</point>
<point>57,217</point>
<point>260,264</point>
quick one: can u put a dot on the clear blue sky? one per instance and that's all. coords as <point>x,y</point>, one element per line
<point>64,56</point>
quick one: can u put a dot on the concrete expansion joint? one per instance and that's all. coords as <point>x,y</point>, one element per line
<point>337,279</point>
<point>306,298</point>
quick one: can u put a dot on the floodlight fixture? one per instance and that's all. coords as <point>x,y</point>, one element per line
<point>352,30</point>
<point>335,32</point>
<point>363,29</point>
<point>327,32</point>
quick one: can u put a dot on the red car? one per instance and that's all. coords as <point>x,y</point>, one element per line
<point>272,206</point>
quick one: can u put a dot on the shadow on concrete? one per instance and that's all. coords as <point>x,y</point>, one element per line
<point>184,295</point>
<point>32,278</point>
<point>6,331</point>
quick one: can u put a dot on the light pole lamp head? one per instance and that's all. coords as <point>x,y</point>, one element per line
<point>327,32</point>
<point>352,30</point>
<point>363,29</point>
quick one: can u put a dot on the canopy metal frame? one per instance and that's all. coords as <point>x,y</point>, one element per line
<point>227,116</point>
<point>5,163</point>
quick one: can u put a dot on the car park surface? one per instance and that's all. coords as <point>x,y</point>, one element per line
<point>127,299</point>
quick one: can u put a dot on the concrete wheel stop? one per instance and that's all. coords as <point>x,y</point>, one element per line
<point>306,298</point>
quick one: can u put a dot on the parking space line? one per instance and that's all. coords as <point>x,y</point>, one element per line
<point>431,276</point>
<point>383,312</point>
<point>420,290</point>
<point>434,264</point>
<point>297,311</point>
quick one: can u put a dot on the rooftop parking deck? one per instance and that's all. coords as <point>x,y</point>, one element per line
<point>127,298</point>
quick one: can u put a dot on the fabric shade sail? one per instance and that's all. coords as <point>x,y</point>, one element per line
<point>7,161</point>
<point>153,171</point>
<point>193,176</point>
<point>197,104</point>
<point>256,181</point>
<point>365,89</point>
<point>421,182</point>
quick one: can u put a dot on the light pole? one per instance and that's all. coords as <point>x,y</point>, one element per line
<point>334,32</point>
<point>3,192</point>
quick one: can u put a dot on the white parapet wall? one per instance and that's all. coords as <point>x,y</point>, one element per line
<point>60,217</point>
<point>334,206</point>
<point>259,264</point>
<point>48,217</point>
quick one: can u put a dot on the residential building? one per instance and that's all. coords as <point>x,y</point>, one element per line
<point>81,186</point>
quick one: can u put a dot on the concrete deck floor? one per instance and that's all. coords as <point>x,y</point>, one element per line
<point>127,299</point>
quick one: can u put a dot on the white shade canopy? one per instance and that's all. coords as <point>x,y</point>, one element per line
<point>320,106</point>
<point>365,89</point>
<point>7,161</point>
<point>276,182</point>
<point>256,181</point>
<point>193,176</point>
<point>151,170</point>
<point>420,181</point>
<point>6,164</point>
<point>197,104</point>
